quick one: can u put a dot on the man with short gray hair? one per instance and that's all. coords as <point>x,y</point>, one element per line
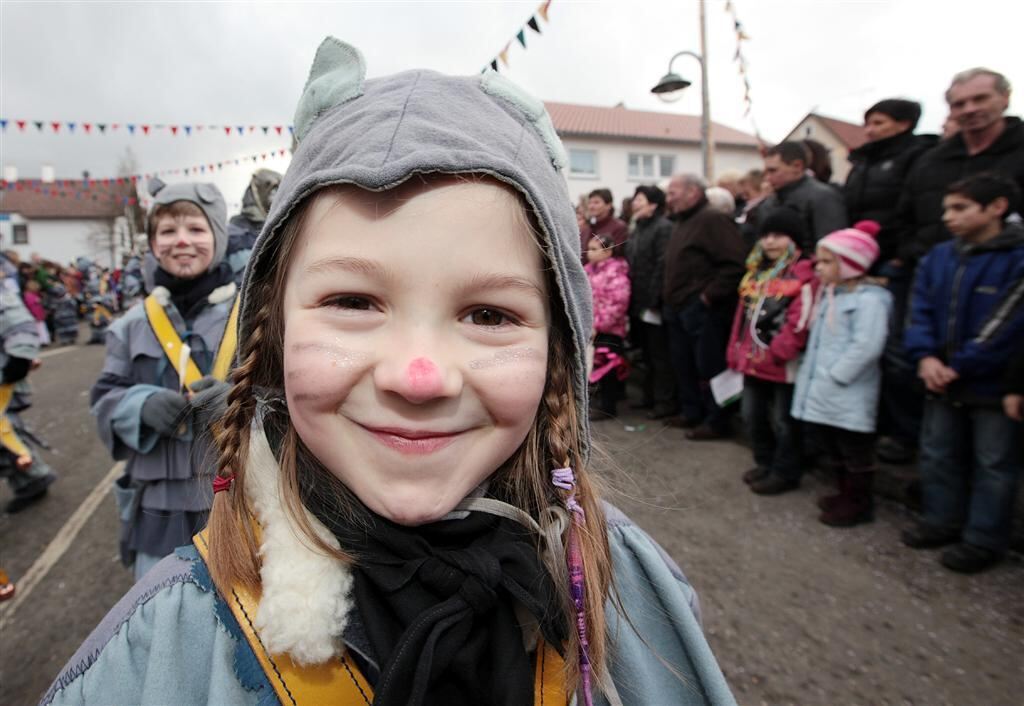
<point>704,261</point>
<point>988,141</point>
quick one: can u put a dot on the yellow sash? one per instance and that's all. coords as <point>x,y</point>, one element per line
<point>342,683</point>
<point>172,344</point>
<point>8,439</point>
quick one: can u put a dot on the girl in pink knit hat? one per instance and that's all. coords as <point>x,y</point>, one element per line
<point>838,382</point>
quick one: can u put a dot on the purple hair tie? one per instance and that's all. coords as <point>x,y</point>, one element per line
<point>564,479</point>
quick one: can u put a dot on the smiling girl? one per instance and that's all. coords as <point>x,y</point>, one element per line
<point>403,512</point>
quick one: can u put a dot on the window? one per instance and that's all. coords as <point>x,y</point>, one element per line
<point>651,166</point>
<point>20,234</point>
<point>583,162</point>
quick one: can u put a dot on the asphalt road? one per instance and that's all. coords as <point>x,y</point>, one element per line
<point>797,613</point>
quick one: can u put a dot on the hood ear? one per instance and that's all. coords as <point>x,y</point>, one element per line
<point>207,193</point>
<point>336,77</point>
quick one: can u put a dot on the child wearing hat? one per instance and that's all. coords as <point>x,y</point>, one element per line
<point>838,383</point>
<point>769,332</point>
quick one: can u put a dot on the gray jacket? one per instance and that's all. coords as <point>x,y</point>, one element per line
<point>172,634</point>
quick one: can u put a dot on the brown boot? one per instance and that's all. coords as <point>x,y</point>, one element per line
<point>828,502</point>
<point>857,506</point>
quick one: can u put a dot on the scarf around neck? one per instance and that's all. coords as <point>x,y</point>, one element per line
<point>437,603</point>
<point>187,293</point>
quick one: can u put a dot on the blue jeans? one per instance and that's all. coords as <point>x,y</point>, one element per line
<point>697,338</point>
<point>774,434</point>
<point>970,462</point>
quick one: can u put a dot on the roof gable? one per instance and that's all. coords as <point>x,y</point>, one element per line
<point>849,134</point>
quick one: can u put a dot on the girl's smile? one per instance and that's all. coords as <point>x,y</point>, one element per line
<point>416,331</point>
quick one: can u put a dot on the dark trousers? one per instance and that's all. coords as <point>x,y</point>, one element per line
<point>610,389</point>
<point>902,399</point>
<point>659,384</point>
<point>697,337</point>
<point>851,451</point>
<point>970,463</point>
<point>774,434</point>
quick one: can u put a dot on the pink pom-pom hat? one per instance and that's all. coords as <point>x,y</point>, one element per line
<point>855,247</point>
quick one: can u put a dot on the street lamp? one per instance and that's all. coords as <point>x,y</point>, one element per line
<point>672,82</point>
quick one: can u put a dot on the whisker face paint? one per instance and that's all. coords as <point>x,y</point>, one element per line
<point>510,357</point>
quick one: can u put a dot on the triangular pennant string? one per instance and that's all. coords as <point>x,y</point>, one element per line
<point>543,9</point>
<point>521,36</point>
<point>532,24</point>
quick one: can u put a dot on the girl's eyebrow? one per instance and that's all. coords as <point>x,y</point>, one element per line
<point>356,265</point>
<point>492,281</point>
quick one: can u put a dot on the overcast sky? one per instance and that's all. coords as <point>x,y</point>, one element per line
<point>245,63</point>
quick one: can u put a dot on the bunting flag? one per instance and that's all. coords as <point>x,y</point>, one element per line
<point>741,64</point>
<point>106,188</point>
<point>520,36</point>
<point>69,126</point>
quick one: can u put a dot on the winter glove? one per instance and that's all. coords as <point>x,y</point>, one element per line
<point>164,412</point>
<point>209,400</point>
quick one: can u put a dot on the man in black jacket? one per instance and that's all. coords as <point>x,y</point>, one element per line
<point>872,191</point>
<point>703,266</point>
<point>988,141</point>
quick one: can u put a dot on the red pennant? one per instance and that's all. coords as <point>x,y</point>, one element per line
<point>263,156</point>
<point>276,127</point>
<point>251,128</point>
<point>227,130</point>
<point>174,130</point>
<point>55,126</point>
<point>87,127</point>
<point>282,153</point>
<point>21,124</point>
<point>115,126</point>
<point>145,129</point>
<point>211,167</point>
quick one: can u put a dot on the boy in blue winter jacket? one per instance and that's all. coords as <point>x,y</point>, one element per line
<point>967,319</point>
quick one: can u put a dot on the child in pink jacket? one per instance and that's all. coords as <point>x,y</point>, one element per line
<point>769,333</point>
<point>609,281</point>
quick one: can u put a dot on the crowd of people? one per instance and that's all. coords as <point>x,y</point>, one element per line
<point>882,318</point>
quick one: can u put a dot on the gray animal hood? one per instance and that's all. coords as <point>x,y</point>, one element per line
<point>378,133</point>
<point>208,198</point>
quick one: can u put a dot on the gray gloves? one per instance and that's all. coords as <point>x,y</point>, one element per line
<point>165,412</point>
<point>209,401</point>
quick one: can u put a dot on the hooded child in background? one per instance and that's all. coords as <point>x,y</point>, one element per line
<point>404,513</point>
<point>769,333</point>
<point>158,354</point>
<point>838,383</point>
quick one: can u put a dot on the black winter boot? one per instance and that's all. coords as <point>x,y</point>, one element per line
<point>857,506</point>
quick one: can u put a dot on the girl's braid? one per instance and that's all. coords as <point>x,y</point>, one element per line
<point>232,431</point>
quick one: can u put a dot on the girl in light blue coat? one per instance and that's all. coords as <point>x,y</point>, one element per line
<point>838,384</point>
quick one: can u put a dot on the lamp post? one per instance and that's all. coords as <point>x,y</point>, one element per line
<point>672,82</point>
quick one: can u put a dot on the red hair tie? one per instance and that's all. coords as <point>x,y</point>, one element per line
<point>222,483</point>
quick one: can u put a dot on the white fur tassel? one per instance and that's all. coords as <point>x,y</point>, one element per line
<point>306,594</point>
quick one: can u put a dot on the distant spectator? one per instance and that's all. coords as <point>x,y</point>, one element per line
<point>950,127</point>
<point>820,205</point>
<point>967,320</point>
<point>769,332</point>
<point>609,283</point>
<point>34,303</point>
<point>988,141</point>
<point>601,220</point>
<point>626,212</point>
<point>732,181</point>
<point>755,191</point>
<point>872,191</point>
<point>819,160</point>
<point>646,254</point>
<point>703,266</point>
<point>244,228</point>
<point>721,200</point>
<point>838,382</point>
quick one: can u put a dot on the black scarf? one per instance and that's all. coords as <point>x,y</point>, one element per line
<point>187,293</point>
<point>436,602</point>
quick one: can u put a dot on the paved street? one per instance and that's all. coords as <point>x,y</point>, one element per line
<point>797,613</point>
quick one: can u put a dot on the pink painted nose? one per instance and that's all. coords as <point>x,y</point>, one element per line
<point>424,379</point>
